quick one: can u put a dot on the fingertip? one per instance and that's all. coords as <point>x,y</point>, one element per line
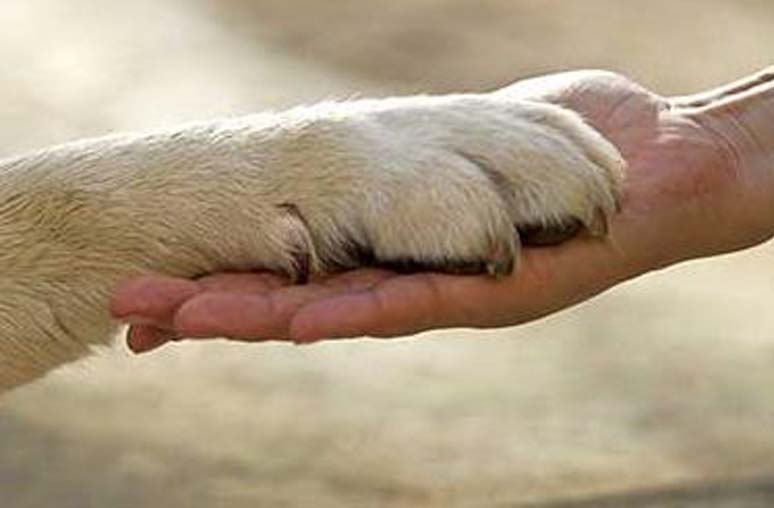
<point>144,339</point>
<point>150,295</point>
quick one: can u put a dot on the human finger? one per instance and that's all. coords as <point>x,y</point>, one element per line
<point>143,338</point>
<point>261,315</point>
<point>549,280</point>
<point>150,300</point>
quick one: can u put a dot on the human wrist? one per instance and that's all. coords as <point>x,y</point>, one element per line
<point>737,122</point>
<point>742,120</point>
<point>745,136</point>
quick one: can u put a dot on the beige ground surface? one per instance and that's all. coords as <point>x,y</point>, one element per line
<point>663,383</point>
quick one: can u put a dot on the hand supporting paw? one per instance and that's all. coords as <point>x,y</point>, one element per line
<point>690,159</point>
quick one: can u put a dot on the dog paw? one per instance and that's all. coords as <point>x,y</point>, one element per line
<point>455,183</point>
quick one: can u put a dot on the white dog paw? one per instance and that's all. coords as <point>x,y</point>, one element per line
<point>449,183</point>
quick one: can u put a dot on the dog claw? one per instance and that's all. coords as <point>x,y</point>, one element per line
<point>502,261</point>
<point>500,268</point>
<point>598,226</point>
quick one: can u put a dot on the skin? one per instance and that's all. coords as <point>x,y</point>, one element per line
<point>700,183</point>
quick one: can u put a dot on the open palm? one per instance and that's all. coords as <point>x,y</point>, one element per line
<point>695,187</point>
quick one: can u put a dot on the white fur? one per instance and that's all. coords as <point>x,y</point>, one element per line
<point>424,178</point>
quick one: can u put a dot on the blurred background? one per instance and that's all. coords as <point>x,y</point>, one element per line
<point>661,387</point>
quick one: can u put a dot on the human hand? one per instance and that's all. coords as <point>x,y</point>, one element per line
<point>700,182</point>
